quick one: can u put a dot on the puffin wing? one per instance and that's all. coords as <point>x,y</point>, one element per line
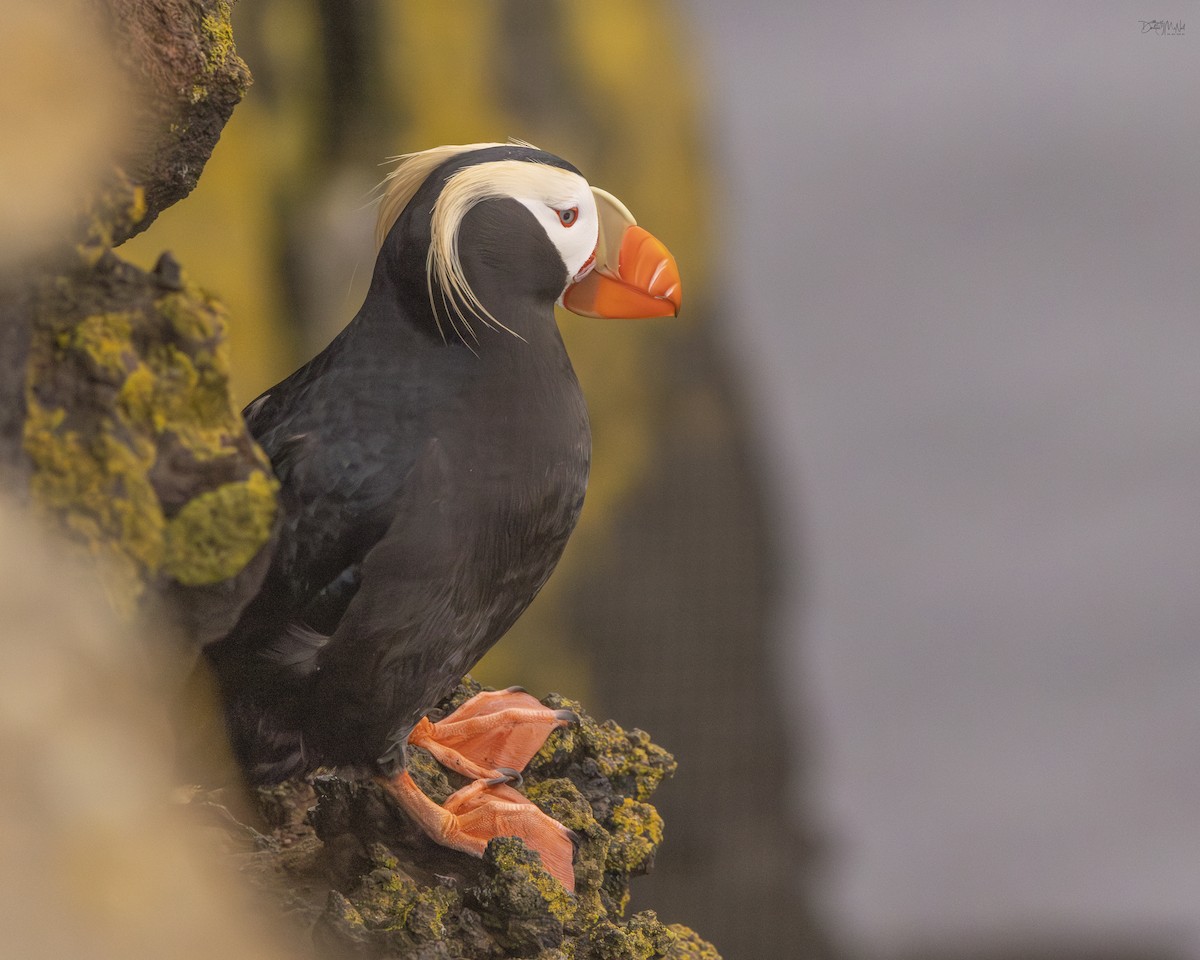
<point>399,626</point>
<point>340,486</point>
<point>318,567</point>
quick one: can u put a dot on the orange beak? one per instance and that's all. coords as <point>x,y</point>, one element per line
<point>634,277</point>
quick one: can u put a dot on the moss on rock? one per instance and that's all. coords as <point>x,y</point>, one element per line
<point>95,486</point>
<point>687,945</point>
<point>394,888</point>
<point>637,832</point>
<point>116,209</point>
<point>184,78</point>
<point>217,533</point>
<point>521,903</point>
<point>137,450</point>
<point>642,938</point>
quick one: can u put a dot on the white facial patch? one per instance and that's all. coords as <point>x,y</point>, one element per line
<point>561,201</point>
<point>544,190</point>
<point>547,192</point>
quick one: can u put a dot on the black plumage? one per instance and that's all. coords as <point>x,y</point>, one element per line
<point>428,487</point>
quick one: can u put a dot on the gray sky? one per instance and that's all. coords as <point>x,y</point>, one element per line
<point>963,251</point>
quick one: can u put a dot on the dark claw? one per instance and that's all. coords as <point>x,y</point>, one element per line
<point>569,715</point>
<point>507,775</point>
<point>515,690</point>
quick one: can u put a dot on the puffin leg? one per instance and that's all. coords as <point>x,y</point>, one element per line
<point>482,810</point>
<point>492,733</point>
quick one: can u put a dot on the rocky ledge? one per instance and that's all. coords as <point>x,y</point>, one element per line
<point>339,859</point>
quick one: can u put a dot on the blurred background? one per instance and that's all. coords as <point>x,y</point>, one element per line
<point>892,537</point>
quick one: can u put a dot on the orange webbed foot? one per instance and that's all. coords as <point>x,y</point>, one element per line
<point>485,809</point>
<point>497,810</point>
<point>495,733</point>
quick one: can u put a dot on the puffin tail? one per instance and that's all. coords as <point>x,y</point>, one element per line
<point>266,737</point>
<point>263,691</point>
<point>292,656</point>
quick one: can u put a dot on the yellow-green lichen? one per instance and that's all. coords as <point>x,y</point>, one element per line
<point>115,209</point>
<point>634,764</point>
<point>642,938</point>
<point>219,33</point>
<point>217,533</point>
<point>183,387</point>
<point>689,946</point>
<point>135,207</point>
<point>429,775</point>
<point>199,326</point>
<point>519,872</point>
<point>631,756</point>
<point>561,800</point>
<point>637,831</point>
<point>427,918</point>
<point>127,391</point>
<point>104,339</point>
<point>99,489</point>
<point>390,902</point>
<point>169,391</point>
<point>347,912</point>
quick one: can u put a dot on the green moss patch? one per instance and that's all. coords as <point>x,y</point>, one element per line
<point>217,533</point>
<point>127,393</point>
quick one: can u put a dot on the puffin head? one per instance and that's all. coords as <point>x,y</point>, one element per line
<point>483,223</point>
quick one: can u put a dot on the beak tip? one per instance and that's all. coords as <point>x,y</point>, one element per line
<point>674,297</point>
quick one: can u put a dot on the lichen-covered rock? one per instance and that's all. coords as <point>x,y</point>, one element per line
<point>380,888</point>
<point>185,77</point>
<point>135,446</point>
<point>689,946</point>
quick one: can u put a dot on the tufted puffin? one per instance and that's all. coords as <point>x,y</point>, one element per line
<point>432,463</point>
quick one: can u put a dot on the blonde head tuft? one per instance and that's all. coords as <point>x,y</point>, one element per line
<point>412,170</point>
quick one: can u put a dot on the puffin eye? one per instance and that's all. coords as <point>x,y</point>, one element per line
<point>568,217</point>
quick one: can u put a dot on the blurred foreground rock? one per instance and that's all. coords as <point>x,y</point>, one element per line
<point>95,862</point>
<point>183,78</point>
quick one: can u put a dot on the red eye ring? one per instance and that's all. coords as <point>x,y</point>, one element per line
<point>568,217</point>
